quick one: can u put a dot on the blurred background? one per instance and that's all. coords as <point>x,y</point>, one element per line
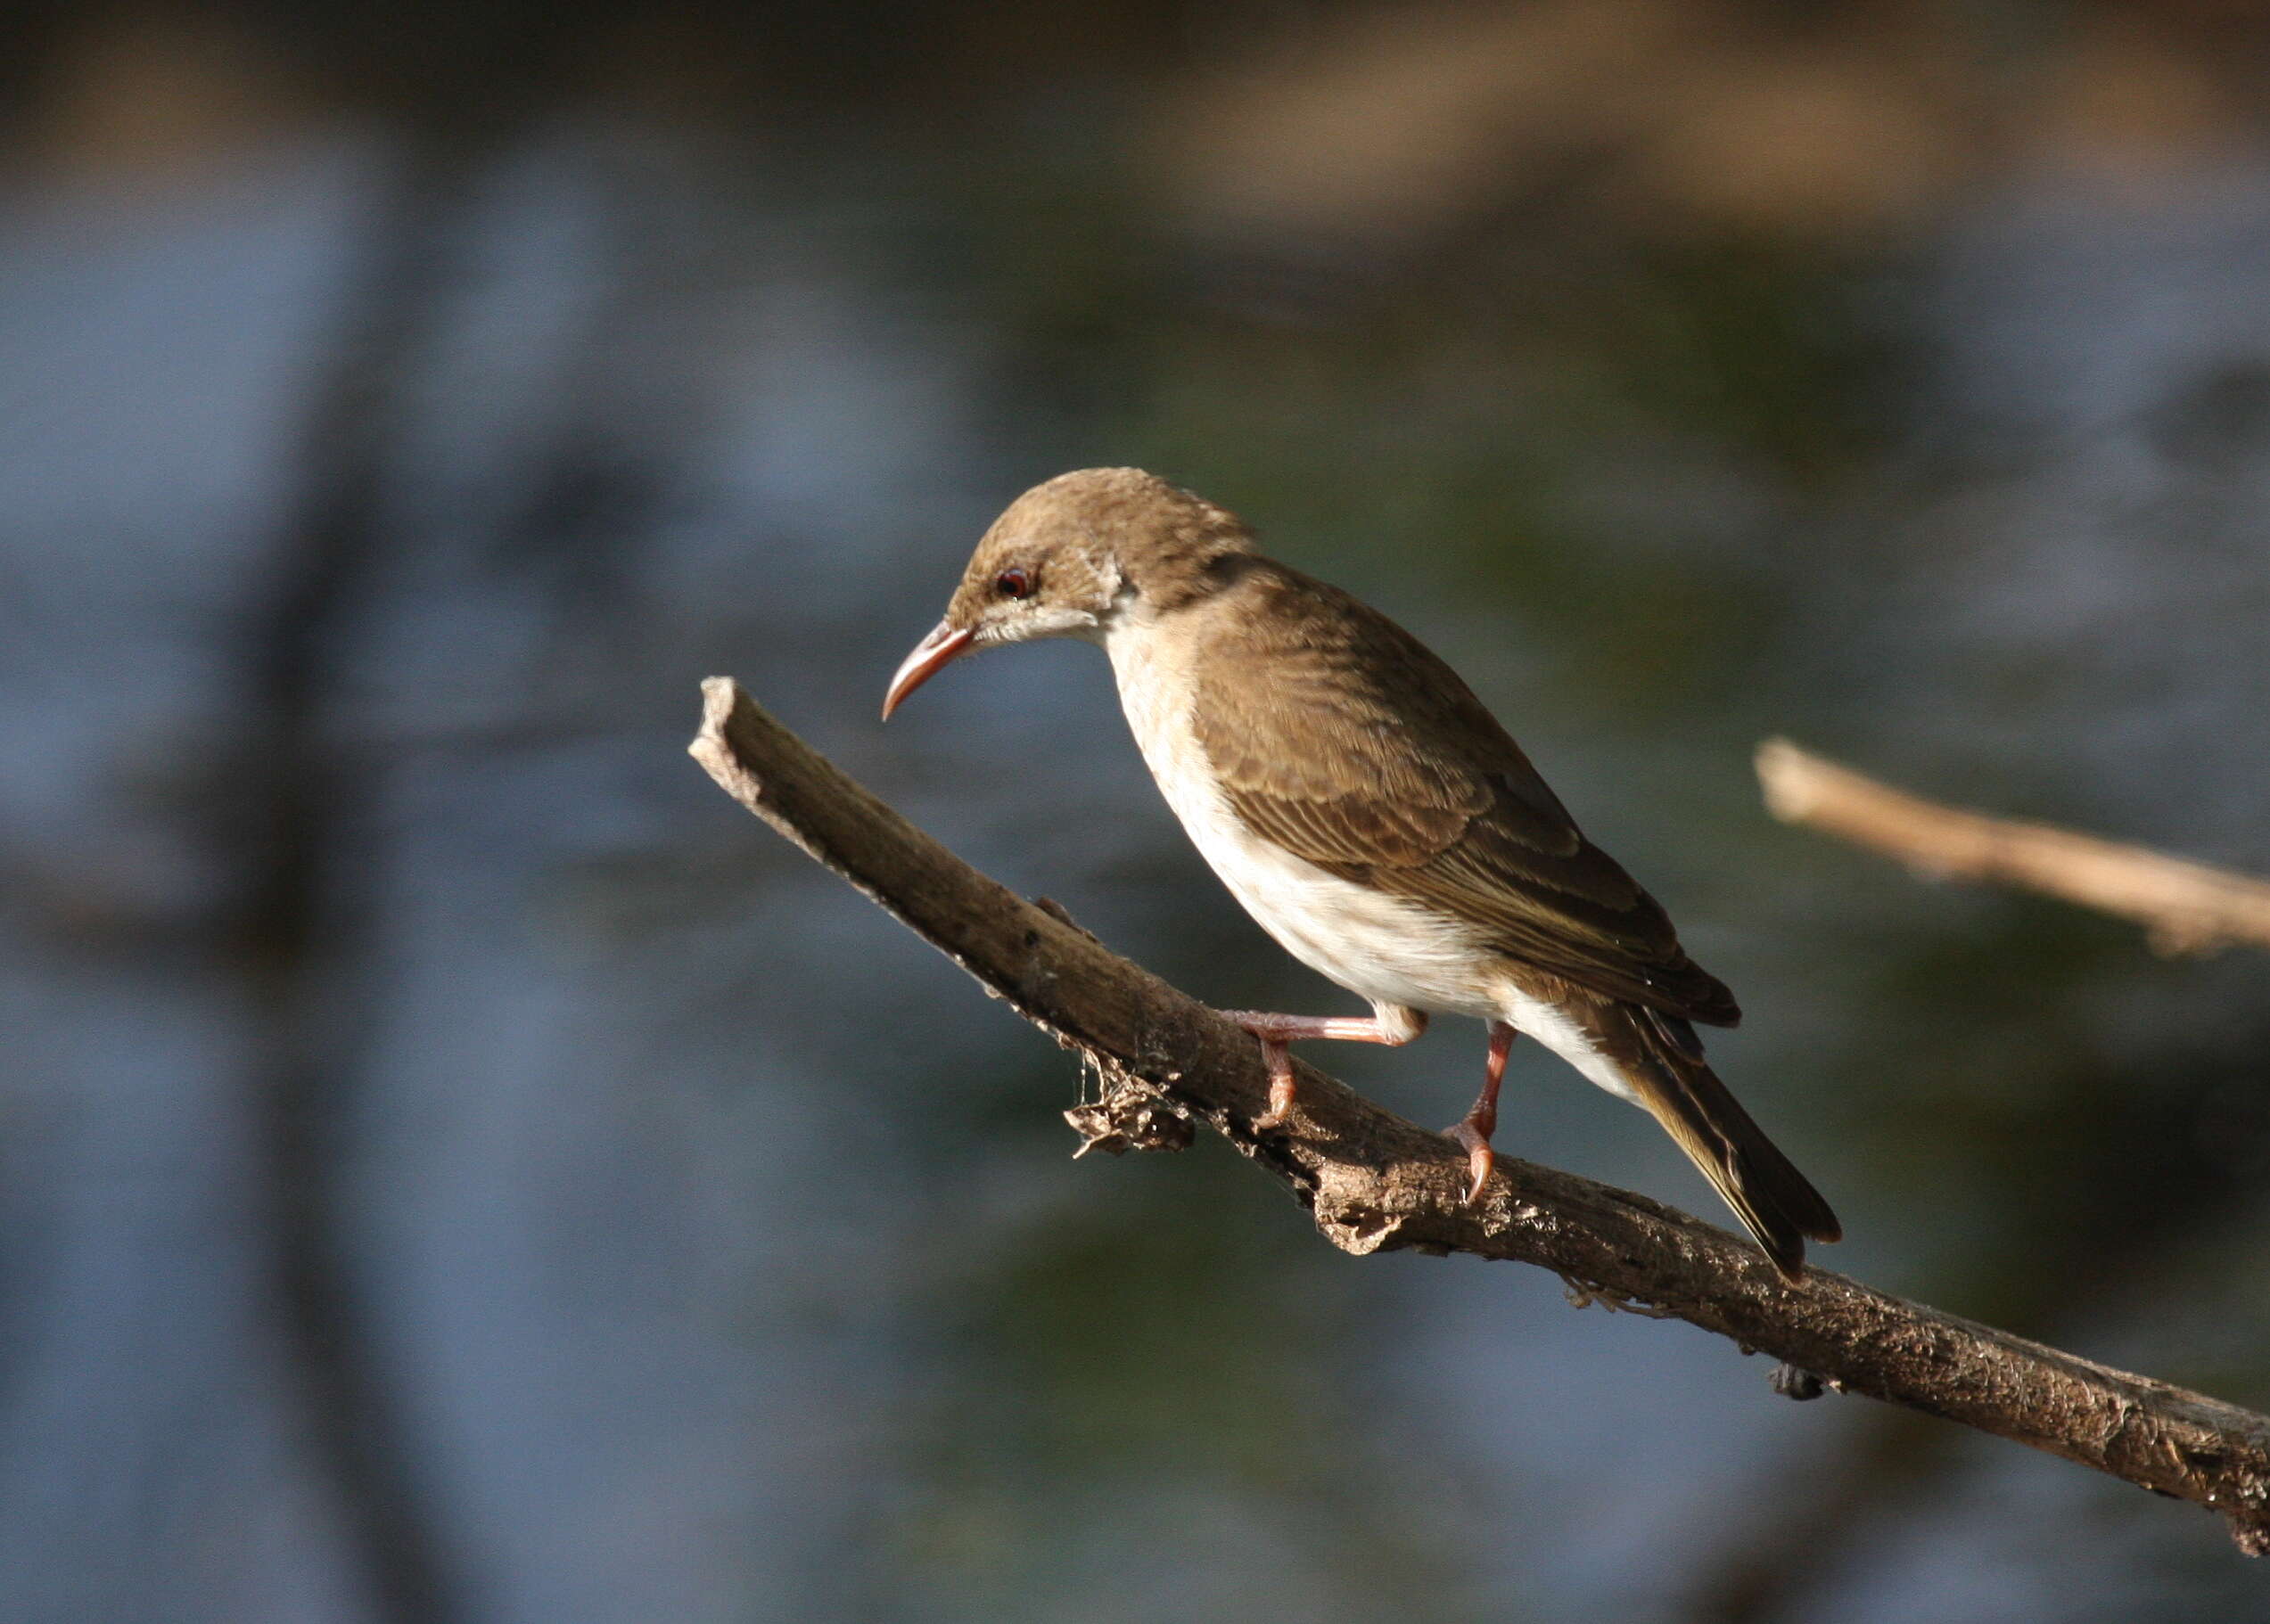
<point>455,1166</point>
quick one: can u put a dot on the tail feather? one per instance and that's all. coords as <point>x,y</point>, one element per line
<point>1662,1058</point>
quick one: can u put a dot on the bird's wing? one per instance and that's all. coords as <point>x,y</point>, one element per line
<point>1337,735</point>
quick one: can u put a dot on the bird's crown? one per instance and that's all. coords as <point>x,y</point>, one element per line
<point>1084,539</point>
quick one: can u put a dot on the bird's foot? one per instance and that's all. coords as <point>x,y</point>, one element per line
<point>1392,1025</point>
<point>1474,1129</point>
<point>1274,1035</point>
<point>1480,1158</point>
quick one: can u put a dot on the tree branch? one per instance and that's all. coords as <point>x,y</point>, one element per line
<point>2188,907</point>
<point>1376,1183</point>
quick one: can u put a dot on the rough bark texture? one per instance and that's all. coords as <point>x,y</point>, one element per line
<point>1375,1182</point>
<point>2188,907</point>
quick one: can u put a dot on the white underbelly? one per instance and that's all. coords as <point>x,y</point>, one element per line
<point>1382,948</point>
<point>1377,947</point>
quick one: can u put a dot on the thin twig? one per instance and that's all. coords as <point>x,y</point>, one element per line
<point>1376,1183</point>
<point>2188,907</point>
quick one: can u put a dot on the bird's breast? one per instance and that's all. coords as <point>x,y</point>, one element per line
<point>1381,946</point>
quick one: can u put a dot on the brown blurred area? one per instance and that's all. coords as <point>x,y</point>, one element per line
<point>1383,122</point>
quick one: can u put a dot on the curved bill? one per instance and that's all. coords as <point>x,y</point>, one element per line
<point>932,652</point>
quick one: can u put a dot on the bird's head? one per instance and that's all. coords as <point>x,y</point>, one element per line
<point>1073,558</point>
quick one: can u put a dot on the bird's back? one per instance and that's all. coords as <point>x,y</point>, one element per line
<point>1332,734</point>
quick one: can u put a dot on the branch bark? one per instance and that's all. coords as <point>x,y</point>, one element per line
<point>1374,1182</point>
<point>2187,907</point>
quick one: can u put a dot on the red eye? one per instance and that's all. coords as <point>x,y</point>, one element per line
<point>1013,584</point>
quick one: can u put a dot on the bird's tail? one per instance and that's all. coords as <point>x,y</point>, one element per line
<point>1662,1058</point>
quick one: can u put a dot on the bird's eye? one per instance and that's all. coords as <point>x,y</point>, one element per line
<point>1013,584</point>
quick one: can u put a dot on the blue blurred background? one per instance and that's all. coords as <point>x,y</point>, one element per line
<point>456,1166</point>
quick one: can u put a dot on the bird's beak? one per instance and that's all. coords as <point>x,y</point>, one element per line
<point>944,643</point>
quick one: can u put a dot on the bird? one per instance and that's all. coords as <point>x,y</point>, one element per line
<point>1369,812</point>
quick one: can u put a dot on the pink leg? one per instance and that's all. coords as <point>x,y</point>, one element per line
<point>1474,1129</point>
<point>1275,1031</point>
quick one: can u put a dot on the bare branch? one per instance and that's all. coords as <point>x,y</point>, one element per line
<point>2188,907</point>
<point>1376,1183</point>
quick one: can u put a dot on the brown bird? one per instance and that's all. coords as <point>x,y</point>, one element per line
<point>1368,811</point>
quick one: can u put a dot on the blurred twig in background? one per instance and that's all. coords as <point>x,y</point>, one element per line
<point>2083,1248</point>
<point>296,930</point>
<point>2188,907</point>
<point>296,949</point>
<point>1376,1182</point>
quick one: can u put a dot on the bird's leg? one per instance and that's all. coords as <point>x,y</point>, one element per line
<point>1474,1129</point>
<point>1392,1025</point>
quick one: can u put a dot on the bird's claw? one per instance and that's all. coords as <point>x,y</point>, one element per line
<point>1280,1103</point>
<point>1481,1161</point>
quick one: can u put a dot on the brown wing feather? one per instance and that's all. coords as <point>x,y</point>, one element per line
<point>1662,1061</point>
<point>1338,736</point>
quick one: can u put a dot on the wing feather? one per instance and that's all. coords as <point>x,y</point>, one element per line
<point>1339,737</point>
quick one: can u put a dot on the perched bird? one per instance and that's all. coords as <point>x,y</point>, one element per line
<point>1371,815</point>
